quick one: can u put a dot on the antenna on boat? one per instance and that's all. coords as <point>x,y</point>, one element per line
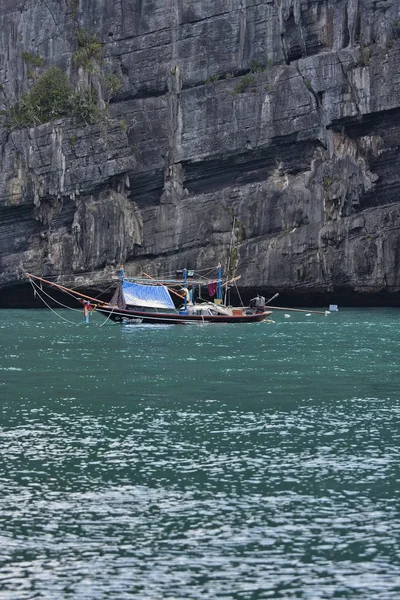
<point>185,286</point>
<point>219,288</point>
<point>228,267</point>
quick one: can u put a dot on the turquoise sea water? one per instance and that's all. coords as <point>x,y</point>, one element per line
<point>199,462</point>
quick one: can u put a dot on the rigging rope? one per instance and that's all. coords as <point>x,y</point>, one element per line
<point>52,310</point>
<point>36,288</point>
<point>53,299</point>
<point>55,278</point>
<point>238,293</point>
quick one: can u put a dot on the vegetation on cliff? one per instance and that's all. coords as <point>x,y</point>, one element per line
<point>52,97</point>
<point>89,50</point>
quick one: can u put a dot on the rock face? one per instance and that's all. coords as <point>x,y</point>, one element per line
<point>260,133</point>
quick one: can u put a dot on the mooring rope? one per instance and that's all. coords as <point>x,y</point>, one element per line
<point>107,317</point>
<point>48,306</point>
<point>36,288</point>
<point>53,299</point>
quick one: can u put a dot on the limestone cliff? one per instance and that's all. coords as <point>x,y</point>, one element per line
<point>277,119</point>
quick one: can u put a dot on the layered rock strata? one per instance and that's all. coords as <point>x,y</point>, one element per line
<point>260,133</point>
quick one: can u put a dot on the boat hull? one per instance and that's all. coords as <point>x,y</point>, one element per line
<point>136,316</point>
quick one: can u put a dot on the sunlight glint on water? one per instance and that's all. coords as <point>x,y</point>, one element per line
<point>200,462</point>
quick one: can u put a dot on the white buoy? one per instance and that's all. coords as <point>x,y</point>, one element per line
<point>287,316</point>
<point>308,315</point>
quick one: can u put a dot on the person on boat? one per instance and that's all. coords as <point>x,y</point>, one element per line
<point>191,295</point>
<point>257,302</point>
<point>188,293</point>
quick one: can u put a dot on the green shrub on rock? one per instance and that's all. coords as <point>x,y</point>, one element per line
<point>48,99</point>
<point>243,85</point>
<point>52,97</point>
<point>113,83</point>
<point>32,59</point>
<point>89,50</point>
<point>84,107</point>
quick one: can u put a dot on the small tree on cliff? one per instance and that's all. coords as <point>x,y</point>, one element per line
<point>49,99</point>
<point>52,97</point>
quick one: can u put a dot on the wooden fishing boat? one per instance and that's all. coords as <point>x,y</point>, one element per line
<point>178,317</point>
<point>149,301</point>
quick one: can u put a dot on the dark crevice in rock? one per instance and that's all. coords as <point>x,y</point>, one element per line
<point>346,33</point>
<point>352,88</point>
<point>300,37</point>
<point>22,296</point>
<point>250,166</point>
<point>146,188</point>
<point>382,130</point>
<point>188,20</point>
<point>317,96</point>
<point>284,50</point>
<point>141,94</point>
<point>17,216</point>
<point>145,93</point>
<point>373,123</point>
<point>65,217</point>
<point>293,39</point>
<point>138,36</point>
<point>357,25</point>
<point>233,75</point>
<point>318,299</point>
<point>389,193</point>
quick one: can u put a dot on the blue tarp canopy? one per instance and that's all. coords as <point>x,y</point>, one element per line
<point>149,296</point>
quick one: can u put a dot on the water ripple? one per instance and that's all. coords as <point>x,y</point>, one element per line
<point>128,471</point>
